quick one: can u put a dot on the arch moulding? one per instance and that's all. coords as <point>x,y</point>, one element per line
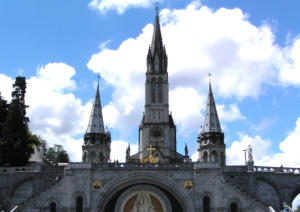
<point>119,183</point>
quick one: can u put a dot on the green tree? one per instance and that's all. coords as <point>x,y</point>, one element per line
<point>17,142</point>
<point>3,114</point>
<point>57,154</point>
<point>298,209</point>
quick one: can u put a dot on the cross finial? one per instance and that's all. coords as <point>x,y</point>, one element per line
<point>98,78</point>
<point>209,78</point>
<point>156,8</point>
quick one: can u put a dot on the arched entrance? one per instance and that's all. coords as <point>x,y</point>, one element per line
<point>144,198</point>
<point>268,193</point>
<point>175,194</point>
<point>206,204</point>
<point>234,207</point>
<point>126,199</point>
<point>52,207</point>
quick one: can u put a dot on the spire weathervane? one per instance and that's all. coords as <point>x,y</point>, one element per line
<point>209,78</point>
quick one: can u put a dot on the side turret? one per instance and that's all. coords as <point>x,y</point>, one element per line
<point>97,141</point>
<point>211,146</point>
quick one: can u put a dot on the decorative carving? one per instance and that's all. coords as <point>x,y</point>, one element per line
<point>143,203</point>
<point>97,184</point>
<point>188,185</point>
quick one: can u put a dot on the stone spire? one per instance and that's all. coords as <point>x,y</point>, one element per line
<point>211,123</point>
<point>211,138</point>
<point>157,128</point>
<point>157,60</point>
<point>97,142</point>
<point>96,119</point>
<point>157,44</point>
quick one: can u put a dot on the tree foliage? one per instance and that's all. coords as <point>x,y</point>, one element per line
<point>298,209</point>
<point>3,114</point>
<point>57,154</point>
<point>16,141</point>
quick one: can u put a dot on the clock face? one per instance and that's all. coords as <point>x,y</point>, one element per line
<point>156,132</point>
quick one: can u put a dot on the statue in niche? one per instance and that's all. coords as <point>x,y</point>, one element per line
<point>143,203</point>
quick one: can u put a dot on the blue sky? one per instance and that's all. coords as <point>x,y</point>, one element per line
<point>252,49</point>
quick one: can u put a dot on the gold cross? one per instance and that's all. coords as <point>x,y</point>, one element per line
<point>150,149</point>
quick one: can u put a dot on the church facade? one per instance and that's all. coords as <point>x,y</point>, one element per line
<point>157,178</point>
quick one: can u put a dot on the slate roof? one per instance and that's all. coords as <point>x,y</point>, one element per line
<point>211,123</point>
<point>96,119</point>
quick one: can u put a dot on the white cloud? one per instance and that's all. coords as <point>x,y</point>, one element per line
<point>127,76</point>
<point>231,114</point>
<point>120,6</point>
<point>235,153</point>
<point>56,114</point>
<point>53,107</point>
<point>194,156</point>
<point>118,150</point>
<point>288,156</point>
<point>54,111</point>
<point>6,87</point>
<point>187,109</point>
<point>198,41</point>
<point>290,70</point>
<point>289,147</point>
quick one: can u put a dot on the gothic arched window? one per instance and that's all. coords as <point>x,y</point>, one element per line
<point>84,158</point>
<point>222,159</point>
<point>234,207</point>
<point>213,157</point>
<point>153,90</point>
<point>79,204</point>
<point>52,207</point>
<point>206,204</point>
<point>159,90</point>
<point>156,64</point>
<point>92,157</point>
<point>101,157</point>
<point>205,157</point>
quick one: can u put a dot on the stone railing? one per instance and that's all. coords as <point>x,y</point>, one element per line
<point>189,166</point>
<point>31,167</point>
<point>15,169</point>
<point>280,169</point>
<point>144,165</point>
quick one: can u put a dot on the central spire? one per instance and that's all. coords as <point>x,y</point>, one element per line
<point>157,60</point>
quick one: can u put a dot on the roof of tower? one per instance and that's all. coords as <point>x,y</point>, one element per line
<point>211,123</point>
<point>96,119</point>
<point>157,44</point>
